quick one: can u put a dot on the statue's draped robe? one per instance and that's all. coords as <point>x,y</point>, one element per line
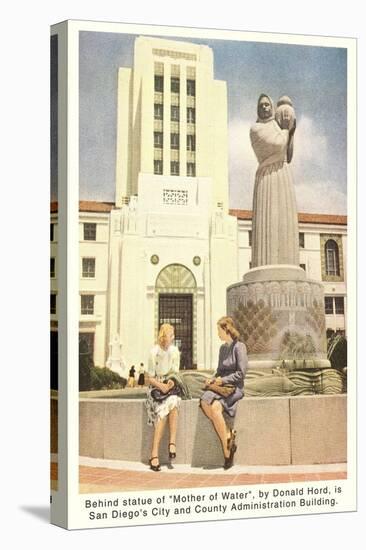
<point>275,225</point>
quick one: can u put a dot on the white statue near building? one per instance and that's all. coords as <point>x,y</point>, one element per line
<point>115,360</point>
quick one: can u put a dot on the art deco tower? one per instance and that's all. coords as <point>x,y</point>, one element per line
<point>172,118</point>
<point>171,232</point>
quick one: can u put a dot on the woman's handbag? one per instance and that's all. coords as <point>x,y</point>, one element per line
<point>224,391</point>
<point>159,395</point>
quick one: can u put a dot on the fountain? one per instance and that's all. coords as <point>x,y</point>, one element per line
<point>278,310</point>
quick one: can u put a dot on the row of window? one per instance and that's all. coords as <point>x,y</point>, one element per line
<point>174,113</point>
<point>174,141</point>
<point>332,264</point>
<point>87,304</point>
<point>89,231</point>
<point>333,304</point>
<point>174,85</point>
<point>88,268</point>
<point>174,168</point>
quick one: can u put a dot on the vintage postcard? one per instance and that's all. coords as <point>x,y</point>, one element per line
<point>203,255</point>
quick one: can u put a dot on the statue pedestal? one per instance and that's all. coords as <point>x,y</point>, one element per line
<point>280,316</point>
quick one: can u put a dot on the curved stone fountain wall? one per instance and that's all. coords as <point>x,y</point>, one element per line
<point>281,320</point>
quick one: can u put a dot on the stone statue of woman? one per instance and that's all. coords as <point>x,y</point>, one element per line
<point>275,224</point>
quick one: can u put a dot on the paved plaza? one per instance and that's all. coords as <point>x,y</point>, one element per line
<point>99,476</point>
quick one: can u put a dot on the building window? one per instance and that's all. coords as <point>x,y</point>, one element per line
<point>191,142</point>
<point>250,238</point>
<point>250,265</point>
<point>89,267</point>
<point>158,139</point>
<point>174,85</point>
<point>339,305</point>
<point>331,258</point>
<point>303,266</point>
<point>328,304</point>
<point>52,232</point>
<point>158,83</point>
<point>334,305</point>
<point>191,87</point>
<point>158,167</point>
<point>52,267</point>
<point>90,231</point>
<point>331,254</point>
<point>191,115</point>
<point>174,168</point>
<point>87,304</point>
<point>158,111</point>
<point>174,141</point>
<point>174,113</point>
<point>302,240</point>
<point>53,304</point>
<point>191,169</point>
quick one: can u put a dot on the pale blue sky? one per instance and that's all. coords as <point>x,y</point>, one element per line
<point>314,77</point>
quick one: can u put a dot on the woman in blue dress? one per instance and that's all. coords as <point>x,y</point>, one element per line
<point>231,370</point>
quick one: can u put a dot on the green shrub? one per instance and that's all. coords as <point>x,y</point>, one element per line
<point>337,351</point>
<point>85,366</point>
<point>105,379</point>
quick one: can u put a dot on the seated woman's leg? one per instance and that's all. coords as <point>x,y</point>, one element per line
<point>213,411</point>
<point>206,407</point>
<point>158,434</point>
<point>219,423</point>
<point>173,423</point>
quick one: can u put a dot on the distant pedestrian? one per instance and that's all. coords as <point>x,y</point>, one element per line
<point>131,377</point>
<point>141,378</point>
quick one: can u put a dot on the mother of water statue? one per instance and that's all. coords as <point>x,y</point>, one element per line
<point>279,311</point>
<point>275,226</point>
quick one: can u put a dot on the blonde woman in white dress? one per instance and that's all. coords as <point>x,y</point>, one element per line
<point>164,360</point>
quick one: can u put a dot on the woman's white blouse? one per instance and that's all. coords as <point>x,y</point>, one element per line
<point>162,362</point>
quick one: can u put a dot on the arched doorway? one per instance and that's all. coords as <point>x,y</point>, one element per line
<point>176,290</point>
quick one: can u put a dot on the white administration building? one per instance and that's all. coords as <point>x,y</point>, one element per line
<point>168,247</point>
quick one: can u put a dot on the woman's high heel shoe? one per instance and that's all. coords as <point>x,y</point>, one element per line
<point>172,454</point>
<point>154,467</point>
<point>229,461</point>
<point>232,447</point>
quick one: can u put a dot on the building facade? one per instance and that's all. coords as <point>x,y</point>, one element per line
<point>168,247</point>
<point>322,260</point>
<point>171,231</point>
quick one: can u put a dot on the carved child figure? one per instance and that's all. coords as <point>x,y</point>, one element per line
<point>285,113</point>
